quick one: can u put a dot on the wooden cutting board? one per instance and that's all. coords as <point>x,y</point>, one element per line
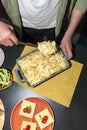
<point>61,87</point>
<point>2,115</point>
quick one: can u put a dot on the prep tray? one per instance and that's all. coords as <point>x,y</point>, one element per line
<point>22,78</point>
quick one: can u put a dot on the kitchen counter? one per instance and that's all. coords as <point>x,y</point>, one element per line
<point>72,118</point>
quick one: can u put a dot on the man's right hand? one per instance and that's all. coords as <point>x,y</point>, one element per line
<point>7,35</point>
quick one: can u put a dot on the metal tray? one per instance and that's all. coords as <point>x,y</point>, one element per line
<point>22,78</point>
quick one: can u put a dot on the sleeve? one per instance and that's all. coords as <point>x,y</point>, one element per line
<point>81,5</point>
<point>3,15</point>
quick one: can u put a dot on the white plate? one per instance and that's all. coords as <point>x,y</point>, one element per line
<point>2,57</point>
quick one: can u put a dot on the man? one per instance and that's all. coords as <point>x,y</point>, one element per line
<point>37,20</point>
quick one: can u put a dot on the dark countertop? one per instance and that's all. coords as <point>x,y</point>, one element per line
<point>72,118</point>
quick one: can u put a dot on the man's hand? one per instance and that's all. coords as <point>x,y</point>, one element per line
<point>66,47</point>
<point>7,35</point>
<point>66,44</point>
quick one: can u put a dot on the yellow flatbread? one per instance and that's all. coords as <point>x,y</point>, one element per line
<point>2,115</point>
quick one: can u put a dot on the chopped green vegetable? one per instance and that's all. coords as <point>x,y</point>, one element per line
<point>5,78</point>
